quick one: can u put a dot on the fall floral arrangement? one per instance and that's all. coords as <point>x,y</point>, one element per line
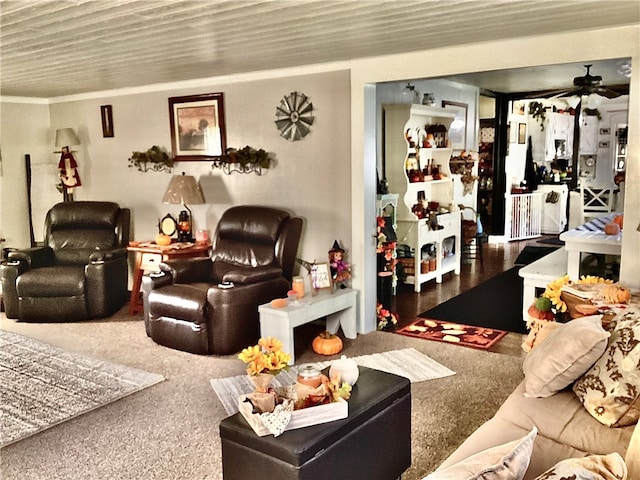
<point>550,305</point>
<point>386,320</point>
<point>265,357</point>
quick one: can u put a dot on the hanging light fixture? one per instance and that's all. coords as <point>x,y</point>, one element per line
<point>594,100</point>
<point>573,101</point>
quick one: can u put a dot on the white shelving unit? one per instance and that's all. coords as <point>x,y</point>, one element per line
<point>405,127</point>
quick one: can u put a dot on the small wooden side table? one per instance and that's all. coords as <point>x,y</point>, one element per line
<point>154,253</point>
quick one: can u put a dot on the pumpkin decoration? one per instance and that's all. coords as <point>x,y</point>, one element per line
<point>616,294</point>
<point>612,228</point>
<point>327,344</point>
<point>163,240</point>
<point>619,219</point>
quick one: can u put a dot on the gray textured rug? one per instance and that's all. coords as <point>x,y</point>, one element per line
<point>407,362</point>
<point>43,385</point>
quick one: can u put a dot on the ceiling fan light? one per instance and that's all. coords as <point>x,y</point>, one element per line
<point>573,101</point>
<point>594,100</point>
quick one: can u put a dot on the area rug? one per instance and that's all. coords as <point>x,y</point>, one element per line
<point>551,241</point>
<point>456,333</point>
<point>530,254</point>
<point>43,385</point>
<point>407,362</point>
<point>495,304</point>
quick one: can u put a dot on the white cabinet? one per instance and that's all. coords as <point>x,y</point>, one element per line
<point>558,136</point>
<point>419,173</point>
<point>554,208</point>
<point>589,135</point>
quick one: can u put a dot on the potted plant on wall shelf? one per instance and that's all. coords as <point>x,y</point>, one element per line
<point>155,159</point>
<point>244,160</point>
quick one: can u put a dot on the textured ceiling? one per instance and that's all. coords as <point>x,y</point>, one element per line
<point>64,47</point>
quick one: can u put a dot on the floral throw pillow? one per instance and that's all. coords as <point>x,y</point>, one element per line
<point>593,467</point>
<point>610,390</point>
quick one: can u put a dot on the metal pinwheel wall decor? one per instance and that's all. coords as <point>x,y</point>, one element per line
<point>293,116</point>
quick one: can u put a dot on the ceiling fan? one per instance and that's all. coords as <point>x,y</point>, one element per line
<point>588,84</point>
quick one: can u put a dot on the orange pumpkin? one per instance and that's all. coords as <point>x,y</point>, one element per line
<point>619,220</point>
<point>612,228</point>
<point>327,344</point>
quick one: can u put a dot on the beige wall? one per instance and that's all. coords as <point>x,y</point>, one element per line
<point>311,176</point>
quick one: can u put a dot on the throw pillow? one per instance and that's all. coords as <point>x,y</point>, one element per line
<point>568,352</point>
<point>504,462</point>
<point>594,467</point>
<point>610,390</point>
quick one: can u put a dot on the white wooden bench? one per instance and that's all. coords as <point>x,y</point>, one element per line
<point>539,273</point>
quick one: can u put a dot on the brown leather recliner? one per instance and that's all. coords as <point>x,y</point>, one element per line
<point>80,272</point>
<point>188,307</point>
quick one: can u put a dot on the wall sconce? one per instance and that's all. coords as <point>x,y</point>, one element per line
<point>409,92</point>
<point>184,189</point>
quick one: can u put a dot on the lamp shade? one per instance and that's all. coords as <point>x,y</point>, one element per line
<point>183,189</point>
<point>66,137</point>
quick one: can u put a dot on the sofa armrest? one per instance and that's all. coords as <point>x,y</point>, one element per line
<point>247,276</point>
<point>632,458</point>
<point>35,257</point>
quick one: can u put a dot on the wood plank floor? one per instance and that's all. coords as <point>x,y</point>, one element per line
<point>498,257</point>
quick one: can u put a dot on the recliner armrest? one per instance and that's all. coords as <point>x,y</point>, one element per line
<point>100,256</point>
<point>188,270</point>
<point>34,257</point>
<point>246,276</point>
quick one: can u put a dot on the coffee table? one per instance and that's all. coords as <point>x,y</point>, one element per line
<point>372,443</point>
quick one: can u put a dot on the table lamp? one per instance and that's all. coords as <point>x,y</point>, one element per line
<point>184,189</point>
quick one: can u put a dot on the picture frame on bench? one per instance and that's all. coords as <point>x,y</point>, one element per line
<point>320,277</point>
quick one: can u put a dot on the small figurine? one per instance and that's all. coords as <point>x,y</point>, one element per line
<point>340,270</point>
<point>68,171</point>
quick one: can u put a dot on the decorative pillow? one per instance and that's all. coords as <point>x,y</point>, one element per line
<point>504,462</point>
<point>568,352</point>
<point>594,467</point>
<point>610,390</point>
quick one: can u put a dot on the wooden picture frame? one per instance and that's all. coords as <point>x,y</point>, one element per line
<point>458,128</point>
<point>513,132</point>
<point>522,133</point>
<point>197,127</point>
<point>320,276</point>
<point>106,114</point>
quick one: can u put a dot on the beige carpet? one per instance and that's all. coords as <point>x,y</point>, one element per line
<point>170,431</point>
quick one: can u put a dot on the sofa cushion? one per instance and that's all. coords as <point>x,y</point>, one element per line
<point>568,352</point>
<point>593,467</point>
<point>610,390</point>
<point>508,461</point>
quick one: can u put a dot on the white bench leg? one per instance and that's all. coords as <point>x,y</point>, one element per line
<point>344,318</point>
<point>280,328</point>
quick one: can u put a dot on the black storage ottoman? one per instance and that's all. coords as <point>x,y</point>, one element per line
<point>372,443</point>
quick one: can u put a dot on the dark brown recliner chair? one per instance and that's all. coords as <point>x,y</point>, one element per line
<point>80,272</point>
<point>187,307</point>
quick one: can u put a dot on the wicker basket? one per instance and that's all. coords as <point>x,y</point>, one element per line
<point>469,227</point>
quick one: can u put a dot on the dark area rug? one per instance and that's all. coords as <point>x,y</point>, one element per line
<point>530,254</point>
<point>551,241</point>
<point>496,303</point>
<point>456,333</point>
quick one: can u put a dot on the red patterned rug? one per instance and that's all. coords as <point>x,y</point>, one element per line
<point>457,333</point>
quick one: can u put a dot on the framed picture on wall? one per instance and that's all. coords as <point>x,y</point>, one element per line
<point>458,128</point>
<point>197,127</point>
<point>513,132</point>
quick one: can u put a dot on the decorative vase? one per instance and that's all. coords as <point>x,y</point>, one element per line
<point>262,381</point>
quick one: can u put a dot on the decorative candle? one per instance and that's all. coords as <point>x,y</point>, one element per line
<point>298,286</point>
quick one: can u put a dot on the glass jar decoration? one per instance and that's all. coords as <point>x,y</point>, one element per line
<point>309,382</point>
